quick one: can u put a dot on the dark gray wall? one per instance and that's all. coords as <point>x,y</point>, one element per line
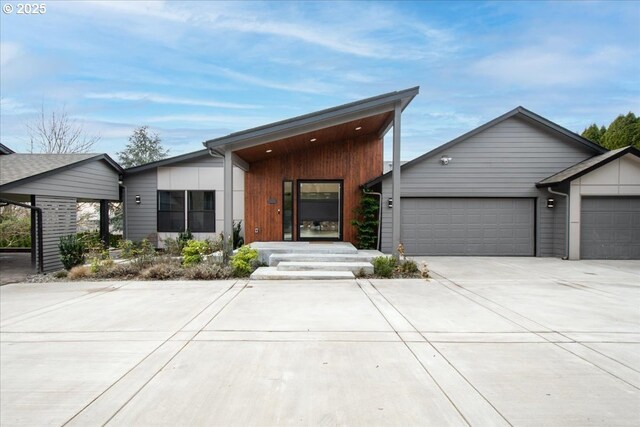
<point>141,219</point>
<point>505,160</point>
<point>94,180</point>
<point>58,219</point>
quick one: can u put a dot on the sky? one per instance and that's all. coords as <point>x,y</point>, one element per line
<point>197,70</point>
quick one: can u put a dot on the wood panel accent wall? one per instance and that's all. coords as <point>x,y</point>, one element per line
<point>355,161</point>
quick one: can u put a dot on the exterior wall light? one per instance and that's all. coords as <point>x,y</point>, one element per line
<point>444,160</point>
<point>390,203</point>
<point>138,201</point>
<point>551,203</point>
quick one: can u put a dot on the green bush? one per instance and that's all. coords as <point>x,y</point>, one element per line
<point>144,253</point>
<point>15,231</point>
<point>128,249</point>
<point>71,251</point>
<point>184,238</point>
<point>366,222</point>
<point>162,271</point>
<point>244,261</point>
<point>384,266</point>
<point>194,252</point>
<point>408,267</point>
<point>238,240</point>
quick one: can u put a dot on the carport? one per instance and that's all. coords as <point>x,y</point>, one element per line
<point>55,183</point>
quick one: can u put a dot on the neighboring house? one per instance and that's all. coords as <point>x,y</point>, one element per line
<point>55,183</point>
<point>167,197</point>
<point>491,192</point>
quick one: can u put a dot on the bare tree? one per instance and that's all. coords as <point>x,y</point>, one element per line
<point>59,134</point>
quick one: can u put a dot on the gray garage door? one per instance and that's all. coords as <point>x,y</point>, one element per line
<point>610,228</point>
<point>468,226</point>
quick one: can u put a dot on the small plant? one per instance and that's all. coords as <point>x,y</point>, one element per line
<point>184,238</point>
<point>79,272</point>
<point>194,252</point>
<point>238,240</point>
<point>127,248</point>
<point>171,246</point>
<point>366,222</point>
<point>408,267</point>
<point>384,266</point>
<point>401,251</point>
<point>60,274</point>
<point>163,271</point>
<point>71,251</point>
<point>208,271</point>
<point>424,270</point>
<point>244,261</point>
<point>145,253</point>
<point>99,264</point>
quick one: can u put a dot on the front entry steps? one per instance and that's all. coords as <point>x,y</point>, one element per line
<point>308,261</point>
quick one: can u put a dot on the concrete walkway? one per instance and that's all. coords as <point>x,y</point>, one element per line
<point>488,341</point>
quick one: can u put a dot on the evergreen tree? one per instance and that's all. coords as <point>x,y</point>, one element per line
<point>143,147</point>
<point>623,131</point>
<point>594,133</point>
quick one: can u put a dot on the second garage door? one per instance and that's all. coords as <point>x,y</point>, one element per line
<point>468,226</point>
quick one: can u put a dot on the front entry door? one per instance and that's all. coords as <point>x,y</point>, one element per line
<point>319,210</point>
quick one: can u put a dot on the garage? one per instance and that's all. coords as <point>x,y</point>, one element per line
<point>610,228</point>
<point>468,226</point>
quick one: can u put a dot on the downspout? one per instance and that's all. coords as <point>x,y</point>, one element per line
<point>379,215</point>
<point>125,203</point>
<point>566,243</point>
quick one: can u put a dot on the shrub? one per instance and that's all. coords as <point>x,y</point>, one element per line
<point>384,266</point>
<point>162,271</point>
<point>424,270</point>
<point>91,240</point>
<point>145,253</point>
<point>119,271</point>
<point>194,252</point>
<point>128,248</point>
<point>408,267</point>
<point>79,272</point>
<point>208,271</point>
<point>99,264</point>
<point>244,261</point>
<point>171,246</point>
<point>15,230</point>
<point>60,274</point>
<point>366,222</point>
<point>184,238</point>
<point>71,251</point>
<point>238,240</point>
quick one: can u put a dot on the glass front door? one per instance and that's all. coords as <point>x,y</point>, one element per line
<point>320,210</point>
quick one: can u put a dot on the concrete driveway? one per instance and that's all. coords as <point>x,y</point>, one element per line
<point>488,341</point>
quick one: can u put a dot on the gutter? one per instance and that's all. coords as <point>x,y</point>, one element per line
<point>566,243</point>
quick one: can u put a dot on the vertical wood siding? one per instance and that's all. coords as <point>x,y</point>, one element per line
<point>505,160</point>
<point>355,161</point>
<point>58,220</point>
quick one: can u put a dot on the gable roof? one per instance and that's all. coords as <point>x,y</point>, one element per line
<point>166,162</point>
<point>5,150</point>
<point>20,168</point>
<point>586,166</point>
<point>313,121</point>
<point>518,111</point>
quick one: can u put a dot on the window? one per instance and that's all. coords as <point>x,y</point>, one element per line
<point>202,214</point>
<point>171,211</point>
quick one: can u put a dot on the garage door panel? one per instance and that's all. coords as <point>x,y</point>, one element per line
<point>610,228</point>
<point>469,226</point>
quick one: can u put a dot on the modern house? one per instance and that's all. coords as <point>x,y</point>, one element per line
<point>519,185</point>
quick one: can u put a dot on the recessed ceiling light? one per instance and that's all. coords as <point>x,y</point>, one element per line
<point>359,127</point>
<point>269,150</point>
<point>313,140</point>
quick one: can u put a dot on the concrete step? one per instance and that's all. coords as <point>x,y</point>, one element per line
<point>272,273</point>
<point>354,267</point>
<point>266,249</point>
<point>275,259</point>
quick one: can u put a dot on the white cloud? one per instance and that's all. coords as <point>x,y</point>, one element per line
<point>546,66</point>
<point>162,99</point>
<point>12,106</point>
<point>312,86</point>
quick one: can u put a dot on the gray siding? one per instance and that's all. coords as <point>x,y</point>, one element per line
<point>141,219</point>
<point>94,180</point>
<point>58,219</point>
<point>201,162</point>
<point>505,160</point>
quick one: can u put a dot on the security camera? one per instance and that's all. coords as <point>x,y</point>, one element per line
<point>445,160</point>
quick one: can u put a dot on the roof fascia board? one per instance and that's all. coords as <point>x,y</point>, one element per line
<point>45,174</point>
<point>313,121</point>
<point>628,150</point>
<point>165,162</point>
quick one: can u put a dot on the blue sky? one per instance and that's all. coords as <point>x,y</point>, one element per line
<point>198,70</point>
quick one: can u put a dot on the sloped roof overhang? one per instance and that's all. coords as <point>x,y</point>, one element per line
<point>323,119</point>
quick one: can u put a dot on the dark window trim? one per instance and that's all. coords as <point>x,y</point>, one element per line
<point>187,201</point>
<point>293,205</point>
<point>341,210</point>
<point>184,213</point>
